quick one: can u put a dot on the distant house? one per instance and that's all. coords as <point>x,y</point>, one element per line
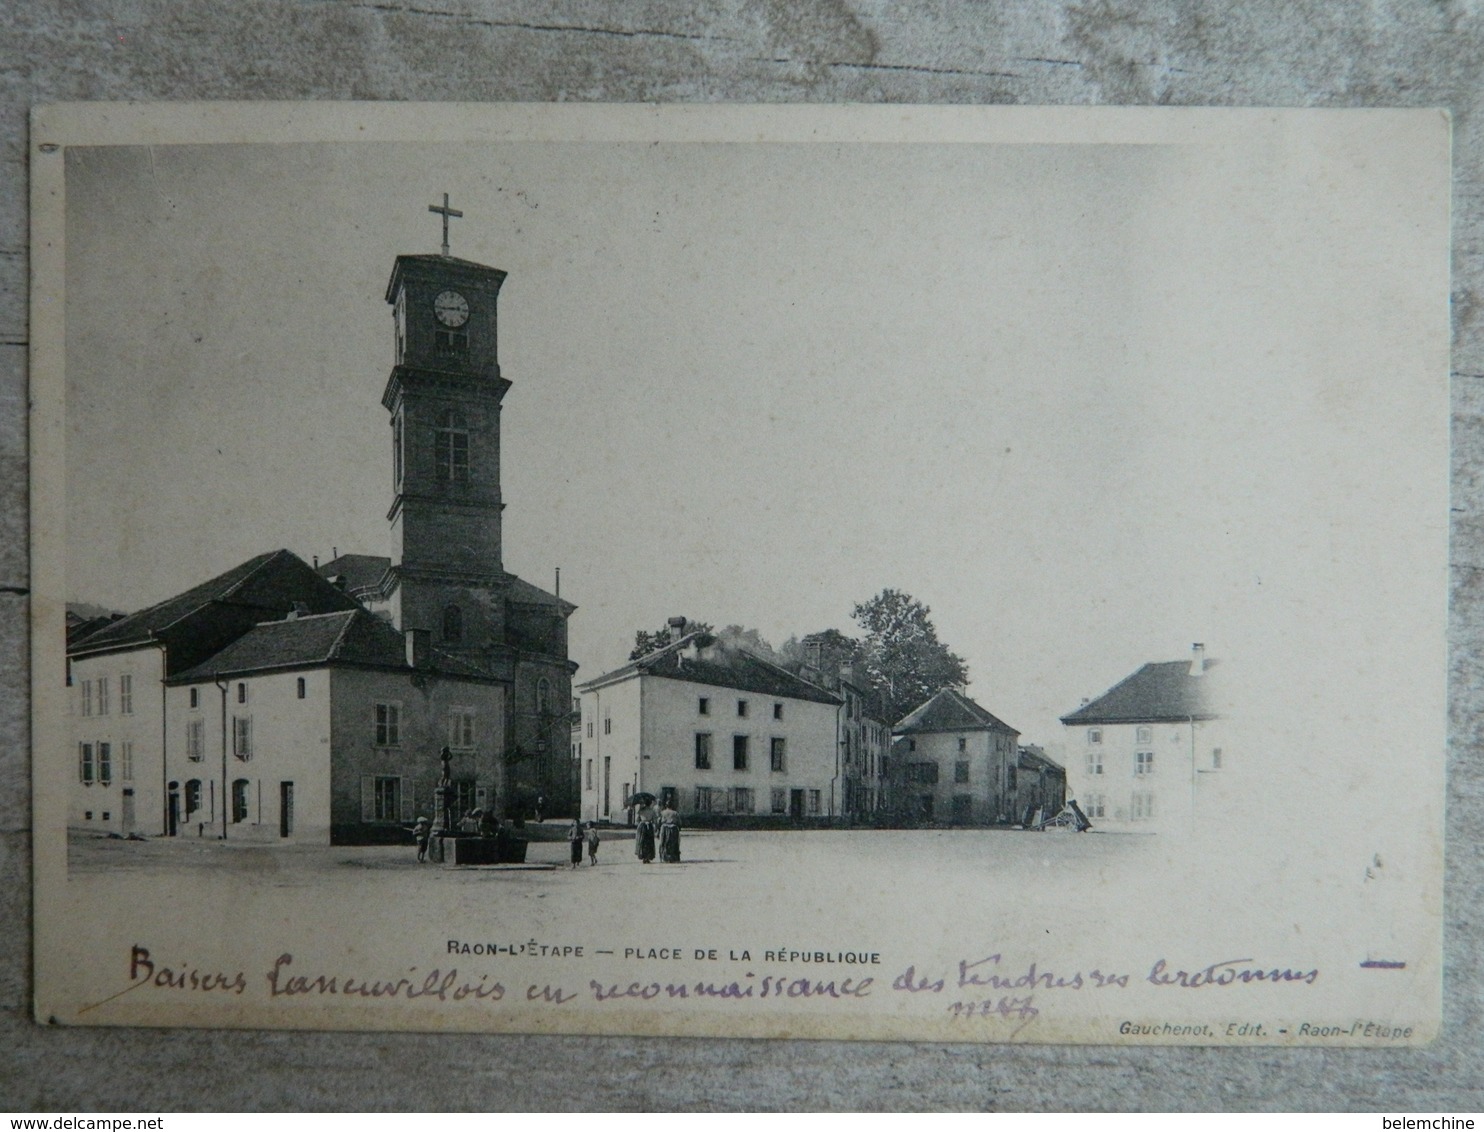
<point>862,739</point>
<point>1040,784</point>
<point>713,730</point>
<point>955,763</point>
<point>1137,754</point>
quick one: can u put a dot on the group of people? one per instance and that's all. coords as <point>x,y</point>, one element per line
<point>580,835</point>
<point>482,821</point>
<point>654,829</point>
<point>662,827</point>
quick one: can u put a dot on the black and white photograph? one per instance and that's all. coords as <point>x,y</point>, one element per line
<point>958,574</point>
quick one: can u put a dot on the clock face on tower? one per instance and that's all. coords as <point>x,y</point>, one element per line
<point>451,308</point>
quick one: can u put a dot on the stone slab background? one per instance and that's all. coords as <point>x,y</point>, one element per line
<point>1169,52</point>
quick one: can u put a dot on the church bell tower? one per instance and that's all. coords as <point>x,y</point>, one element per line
<point>446,579</point>
<point>444,397</point>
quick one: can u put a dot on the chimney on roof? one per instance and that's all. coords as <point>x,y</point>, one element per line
<point>419,647</point>
<point>316,561</point>
<point>677,628</point>
<point>814,653</point>
<point>1198,659</point>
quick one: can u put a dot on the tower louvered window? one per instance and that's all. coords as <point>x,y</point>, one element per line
<point>451,448</point>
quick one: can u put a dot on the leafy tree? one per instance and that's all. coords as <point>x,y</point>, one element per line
<point>750,640</point>
<point>733,636</point>
<point>904,661</point>
<point>646,643</point>
<point>793,654</point>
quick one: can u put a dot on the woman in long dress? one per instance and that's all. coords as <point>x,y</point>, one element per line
<point>576,838</point>
<point>669,836</point>
<point>644,836</point>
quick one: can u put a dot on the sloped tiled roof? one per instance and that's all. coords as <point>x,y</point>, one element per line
<point>352,637</point>
<point>81,627</point>
<point>522,591</point>
<point>950,710</point>
<point>268,583</point>
<point>1031,755</point>
<point>1160,692</point>
<point>364,572</point>
<point>360,571</point>
<point>701,659</point>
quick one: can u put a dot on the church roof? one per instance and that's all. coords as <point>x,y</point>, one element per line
<point>363,572</point>
<point>1160,692</point>
<point>526,594</point>
<point>353,637</point>
<point>266,585</point>
<point>447,265</point>
<point>360,571</point>
<point>950,710</point>
<point>702,659</point>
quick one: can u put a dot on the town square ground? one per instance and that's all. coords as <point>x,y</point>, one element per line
<point>924,920</point>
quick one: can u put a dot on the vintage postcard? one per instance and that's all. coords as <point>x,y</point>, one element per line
<point>965,574</point>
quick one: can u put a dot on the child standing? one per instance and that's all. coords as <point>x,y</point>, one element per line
<point>592,843</point>
<point>420,834</point>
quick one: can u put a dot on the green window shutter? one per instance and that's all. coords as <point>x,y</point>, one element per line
<point>408,813</point>
<point>368,797</point>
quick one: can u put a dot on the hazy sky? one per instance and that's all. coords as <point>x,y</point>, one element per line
<point>1090,403</point>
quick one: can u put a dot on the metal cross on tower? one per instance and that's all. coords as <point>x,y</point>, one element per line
<point>447,213</point>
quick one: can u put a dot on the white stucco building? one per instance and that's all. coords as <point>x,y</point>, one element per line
<point>723,736</point>
<point>1141,755</point>
<point>266,705</point>
<point>957,764</point>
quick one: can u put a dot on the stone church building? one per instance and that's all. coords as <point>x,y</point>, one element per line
<point>289,701</point>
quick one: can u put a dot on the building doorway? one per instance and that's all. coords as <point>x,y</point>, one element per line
<point>285,809</point>
<point>128,811</point>
<point>796,804</point>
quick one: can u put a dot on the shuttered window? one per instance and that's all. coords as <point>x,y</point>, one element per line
<point>242,737</point>
<point>386,798</point>
<point>461,728</point>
